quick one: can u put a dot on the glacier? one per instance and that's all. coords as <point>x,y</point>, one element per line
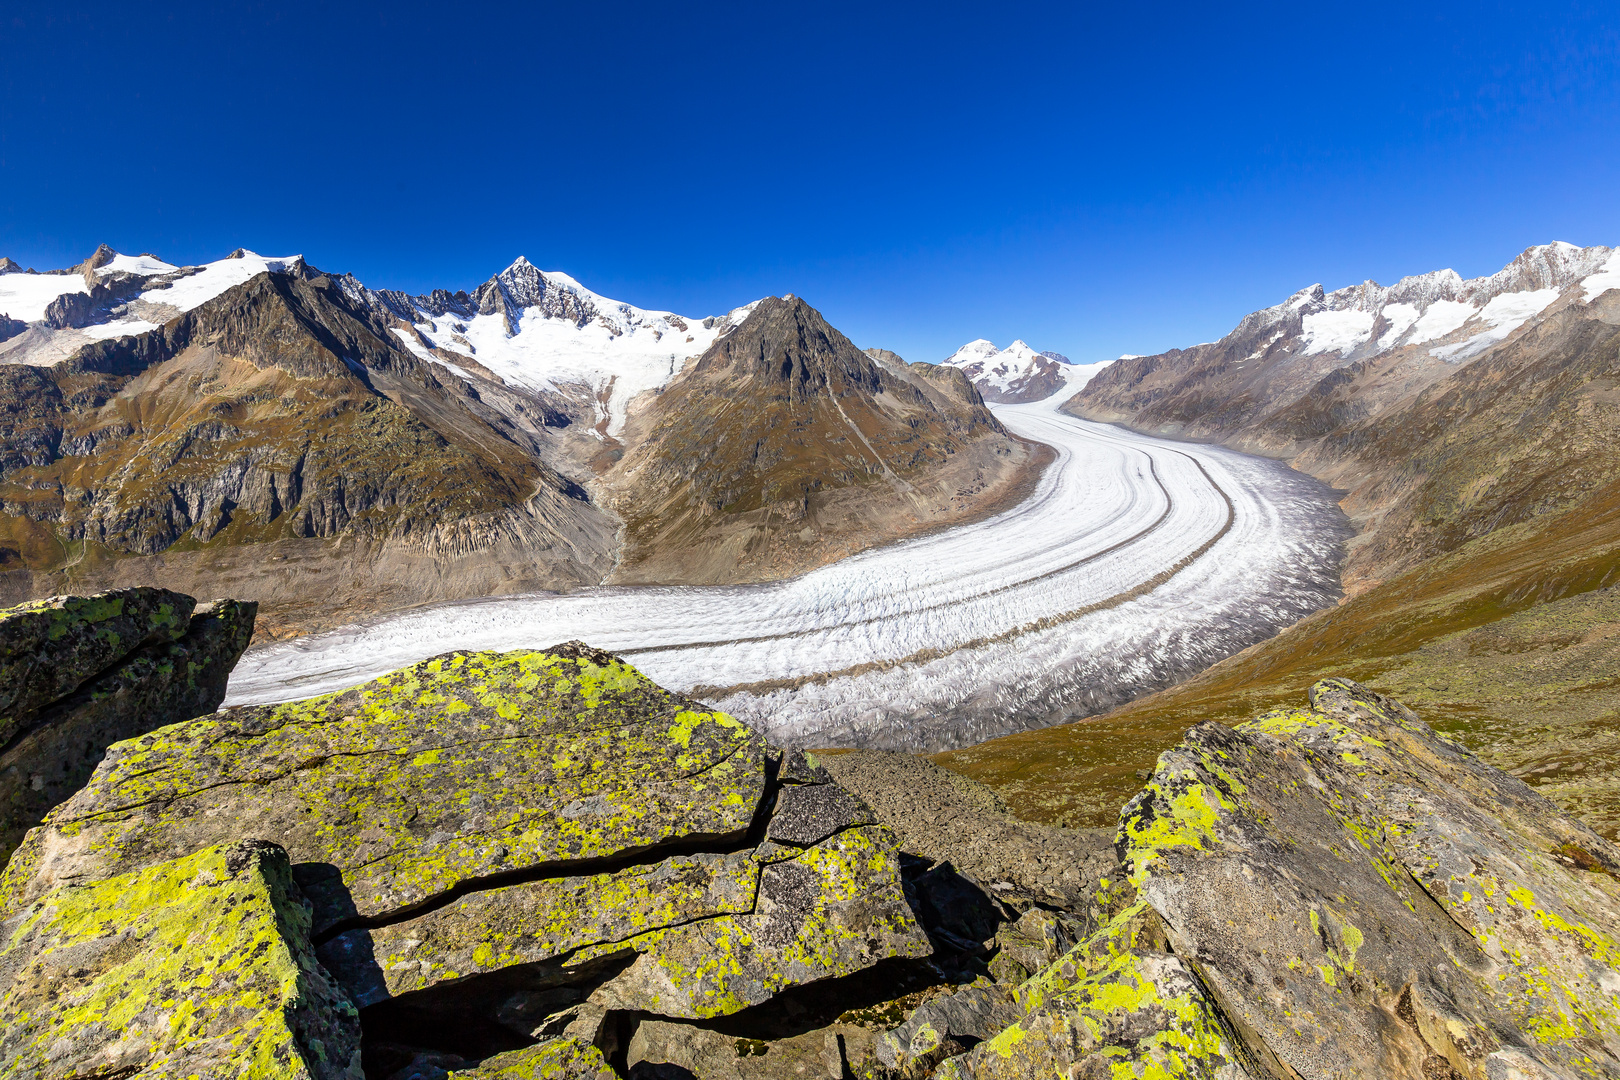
<point>1135,563</point>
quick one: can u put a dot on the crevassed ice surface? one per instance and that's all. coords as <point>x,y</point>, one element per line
<point>1135,563</point>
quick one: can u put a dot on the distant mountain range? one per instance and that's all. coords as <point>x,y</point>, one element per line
<point>1018,373</point>
<point>258,426</point>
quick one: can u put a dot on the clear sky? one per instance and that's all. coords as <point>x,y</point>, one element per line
<point>1093,178</point>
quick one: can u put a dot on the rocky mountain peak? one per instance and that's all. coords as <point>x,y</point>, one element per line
<point>9,267</point>
<point>1059,357</point>
<point>785,341</point>
<point>521,287</point>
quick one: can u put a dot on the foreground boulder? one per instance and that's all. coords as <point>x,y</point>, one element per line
<point>505,850</point>
<point>195,967</point>
<point>79,673</point>
<point>1335,892</point>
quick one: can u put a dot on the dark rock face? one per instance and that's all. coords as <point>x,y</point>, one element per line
<point>165,679</point>
<point>9,327</point>
<point>48,648</point>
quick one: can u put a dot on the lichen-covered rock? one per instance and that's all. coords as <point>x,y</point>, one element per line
<point>822,912</point>
<point>1142,1015</point>
<point>806,814</point>
<point>49,647</point>
<point>196,967</point>
<point>1366,898</point>
<point>60,745</point>
<point>538,922</point>
<point>559,1059</point>
<point>396,792</point>
<point>1032,943</point>
<point>945,1024</point>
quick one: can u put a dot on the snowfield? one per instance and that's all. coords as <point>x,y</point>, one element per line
<point>1135,563</point>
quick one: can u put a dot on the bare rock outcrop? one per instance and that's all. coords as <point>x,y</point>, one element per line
<point>1335,892</point>
<point>80,673</point>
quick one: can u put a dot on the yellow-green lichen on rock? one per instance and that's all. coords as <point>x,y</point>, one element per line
<point>1364,897</point>
<point>1139,1013</point>
<point>393,792</point>
<point>827,911</point>
<point>196,967</point>
<point>559,1059</point>
<point>49,647</point>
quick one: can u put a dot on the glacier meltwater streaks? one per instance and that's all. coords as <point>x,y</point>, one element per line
<point>1135,563</point>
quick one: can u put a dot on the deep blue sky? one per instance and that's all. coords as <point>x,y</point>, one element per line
<point>1094,178</point>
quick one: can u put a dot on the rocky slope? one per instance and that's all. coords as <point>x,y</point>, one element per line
<point>784,446</point>
<point>278,440</point>
<point>1446,408</point>
<point>504,865</point>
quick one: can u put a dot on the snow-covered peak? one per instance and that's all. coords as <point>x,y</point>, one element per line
<point>544,330</point>
<point>132,294</point>
<point>974,351</point>
<point>1016,373</point>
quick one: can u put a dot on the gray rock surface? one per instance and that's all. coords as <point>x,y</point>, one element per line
<point>58,747</point>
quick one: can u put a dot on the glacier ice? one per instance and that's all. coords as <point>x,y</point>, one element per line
<point>1136,562</point>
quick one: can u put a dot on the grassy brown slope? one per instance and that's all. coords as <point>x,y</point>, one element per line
<point>1511,642</point>
<point>785,447</point>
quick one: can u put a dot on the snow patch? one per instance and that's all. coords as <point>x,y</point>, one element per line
<point>1503,315</point>
<point>140,265</point>
<point>1593,287</point>
<point>26,296</point>
<point>118,328</point>
<point>1335,331</point>
<point>213,278</point>
<point>1401,317</point>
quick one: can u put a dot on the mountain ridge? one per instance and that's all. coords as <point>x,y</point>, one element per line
<point>349,430</point>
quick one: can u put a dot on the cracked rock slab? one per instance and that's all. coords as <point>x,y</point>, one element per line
<point>196,967</point>
<point>395,792</point>
<point>827,911</point>
<point>540,922</point>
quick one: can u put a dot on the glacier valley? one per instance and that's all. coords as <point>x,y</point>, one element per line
<point>1136,562</point>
